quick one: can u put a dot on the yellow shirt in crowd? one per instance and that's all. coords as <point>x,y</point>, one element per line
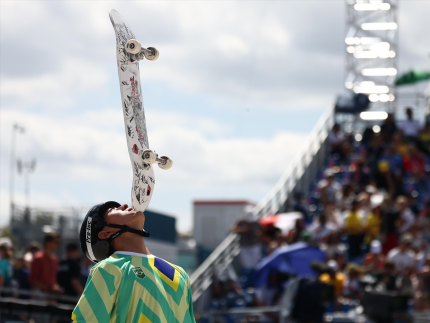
<point>338,281</point>
<point>373,226</point>
<point>353,223</point>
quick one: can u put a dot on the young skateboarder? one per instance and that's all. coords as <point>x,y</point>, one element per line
<point>128,284</point>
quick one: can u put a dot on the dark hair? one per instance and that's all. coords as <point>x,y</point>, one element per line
<point>33,246</point>
<point>49,237</point>
<point>72,246</point>
<point>389,264</point>
<point>7,251</point>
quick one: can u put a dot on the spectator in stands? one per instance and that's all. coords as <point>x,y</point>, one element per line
<point>406,217</point>
<point>399,144</point>
<point>69,271</point>
<point>415,162</point>
<point>375,150</point>
<point>6,270</point>
<point>320,229</point>
<point>21,274</point>
<point>294,235</point>
<point>333,247</point>
<point>421,255</point>
<point>390,222</point>
<point>406,282</point>
<point>423,220</point>
<point>386,280</point>
<point>335,139</point>
<point>275,241</point>
<point>348,193</point>
<point>374,218</point>
<point>416,237</point>
<point>388,128</point>
<point>32,248</point>
<point>374,260</point>
<point>352,285</point>
<point>43,272</point>
<point>362,176</point>
<point>355,231</point>
<point>249,232</point>
<point>410,127</point>
<point>340,258</point>
<point>270,294</point>
<point>424,139</point>
<point>402,256</point>
<point>86,265</point>
<point>299,205</point>
<point>422,296</point>
<point>336,278</point>
<point>331,190</point>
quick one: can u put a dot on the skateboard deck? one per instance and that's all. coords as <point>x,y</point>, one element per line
<point>134,115</point>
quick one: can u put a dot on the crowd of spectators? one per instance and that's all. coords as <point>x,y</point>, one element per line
<point>40,272</point>
<point>369,211</point>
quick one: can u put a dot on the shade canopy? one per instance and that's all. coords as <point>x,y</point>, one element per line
<point>295,259</point>
<point>413,76</point>
<point>283,221</point>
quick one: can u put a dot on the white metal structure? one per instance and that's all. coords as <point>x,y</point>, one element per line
<point>371,48</point>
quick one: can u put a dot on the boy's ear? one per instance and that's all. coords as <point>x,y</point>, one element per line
<point>105,234</point>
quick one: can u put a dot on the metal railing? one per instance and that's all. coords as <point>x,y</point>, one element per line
<point>17,305</point>
<point>299,175</point>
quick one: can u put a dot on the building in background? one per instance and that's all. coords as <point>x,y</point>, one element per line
<point>187,252</point>
<point>213,221</point>
<point>162,242</point>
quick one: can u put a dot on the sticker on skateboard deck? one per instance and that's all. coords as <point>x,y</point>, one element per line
<point>129,53</point>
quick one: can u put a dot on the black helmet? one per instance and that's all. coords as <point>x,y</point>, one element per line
<point>98,249</point>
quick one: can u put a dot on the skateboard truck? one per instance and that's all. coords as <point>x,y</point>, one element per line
<point>151,157</point>
<point>137,52</point>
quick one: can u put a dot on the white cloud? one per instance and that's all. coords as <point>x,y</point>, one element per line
<point>88,152</point>
<point>58,62</point>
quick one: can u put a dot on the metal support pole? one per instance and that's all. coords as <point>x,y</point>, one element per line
<point>16,128</point>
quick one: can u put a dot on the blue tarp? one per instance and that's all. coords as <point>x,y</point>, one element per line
<point>294,259</point>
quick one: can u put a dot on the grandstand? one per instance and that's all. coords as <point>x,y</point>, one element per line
<point>370,75</point>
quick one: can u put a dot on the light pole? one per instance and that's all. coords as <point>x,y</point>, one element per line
<point>16,128</point>
<point>27,169</point>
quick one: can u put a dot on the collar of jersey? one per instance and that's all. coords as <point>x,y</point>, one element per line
<point>128,253</point>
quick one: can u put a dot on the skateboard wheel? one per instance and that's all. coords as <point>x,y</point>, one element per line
<point>133,46</point>
<point>154,55</point>
<point>168,163</point>
<point>149,156</point>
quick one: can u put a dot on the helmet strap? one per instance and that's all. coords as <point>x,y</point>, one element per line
<point>124,228</point>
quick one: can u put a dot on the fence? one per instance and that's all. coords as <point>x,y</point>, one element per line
<point>299,175</point>
<point>65,221</point>
<point>22,305</point>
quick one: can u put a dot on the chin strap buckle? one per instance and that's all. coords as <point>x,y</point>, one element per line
<point>125,228</point>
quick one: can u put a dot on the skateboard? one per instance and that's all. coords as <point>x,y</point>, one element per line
<point>128,53</point>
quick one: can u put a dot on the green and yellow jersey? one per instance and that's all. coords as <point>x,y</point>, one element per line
<point>134,288</point>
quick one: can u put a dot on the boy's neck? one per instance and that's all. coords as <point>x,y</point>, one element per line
<point>132,243</point>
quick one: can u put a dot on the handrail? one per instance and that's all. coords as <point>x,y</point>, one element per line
<point>202,276</point>
<point>314,141</point>
<point>224,254</point>
<point>38,294</point>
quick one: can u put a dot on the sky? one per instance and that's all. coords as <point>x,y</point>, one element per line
<point>236,89</point>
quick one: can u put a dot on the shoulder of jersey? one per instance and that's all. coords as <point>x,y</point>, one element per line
<point>112,261</point>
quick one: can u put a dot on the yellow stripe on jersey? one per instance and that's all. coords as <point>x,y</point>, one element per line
<point>74,318</point>
<point>102,289</point>
<point>143,319</point>
<point>172,283</point>
<point>147,299</point>
<point>87,311</point>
